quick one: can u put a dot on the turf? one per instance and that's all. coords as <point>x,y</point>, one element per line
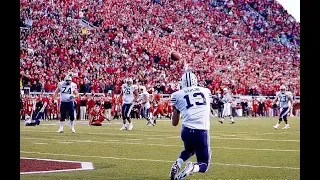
<point>248,149</point>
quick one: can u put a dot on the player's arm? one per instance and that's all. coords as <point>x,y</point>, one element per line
<point>90,117</point>
<point>56,92</point>
<point>136,95</point>
<point>176,113</point>
<point>276,100</point>
<point>175,117</point>
<point>291,101</point>
<point>75,93</point>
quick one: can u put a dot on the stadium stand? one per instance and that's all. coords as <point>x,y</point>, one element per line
<point>249,46</point>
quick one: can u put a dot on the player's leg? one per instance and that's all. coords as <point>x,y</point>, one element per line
<point>124,118</point>
<point>71,115</point>
<point>230,114</point>
<point>63,116</point>
<point>109,114</point>
<point>146,116</point>
<point>203,153</point>
<point>129,108</point>
<point>189,150</point>
<point>224,113</point>
<point>285,118</point>
<point>155,115</point>
<point>36,118</point>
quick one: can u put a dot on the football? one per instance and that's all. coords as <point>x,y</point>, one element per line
<point>175,56</point>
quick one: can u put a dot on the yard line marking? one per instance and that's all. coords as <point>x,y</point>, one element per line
<point>154,138</point>
<point>158,135</point>
<point>65,142</point>
<point>169,145</point>
<point>39,143</point>
<point>155,160</point>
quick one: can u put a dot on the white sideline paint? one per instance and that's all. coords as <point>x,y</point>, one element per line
<point>84,166</point>
<point>158,135</point>
<point>39,143</point>
<point>165,145</point>
<point>155,160</point>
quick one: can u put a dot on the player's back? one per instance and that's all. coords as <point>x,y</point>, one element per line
<point>194,106</point>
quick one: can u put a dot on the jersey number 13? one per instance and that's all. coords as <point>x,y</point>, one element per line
<point>189,104</point>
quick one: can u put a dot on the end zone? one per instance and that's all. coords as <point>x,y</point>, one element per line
<point>37,165</point>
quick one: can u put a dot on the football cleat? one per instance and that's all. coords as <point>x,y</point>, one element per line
<point>187,171</point>
<point>174,171</point>
<point>221,121</point>
<point>73,130</point>
<point>60,130</point>
<point>130,127</point>
<point>123,128</point>
<point>276,126</point>
<point>286,126</point>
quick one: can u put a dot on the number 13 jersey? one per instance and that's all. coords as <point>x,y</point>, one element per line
<point>194,106</point>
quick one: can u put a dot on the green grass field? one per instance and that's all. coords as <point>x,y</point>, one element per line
<point>248,149</point>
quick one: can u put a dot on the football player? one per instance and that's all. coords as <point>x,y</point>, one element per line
<point>68,91</point>
<point>96,116</point>
<point>284,98</point>
<point>193,102</point>
<point>159,109</point>
<point>227,100</point>
<point>129,93</point>
<point>145,105</point>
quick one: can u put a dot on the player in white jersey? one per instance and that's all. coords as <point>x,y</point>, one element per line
<point>193,102</point>
<point>68,91</point>
<point>145,104</point>
<point>129,93</point>
<point>285,103</point>
<point>227,100</point>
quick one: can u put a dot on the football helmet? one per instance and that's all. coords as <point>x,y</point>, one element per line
<point>283,89</point>
<point>188,79</point>
<point>142,89</point>
<point>129,81</point>
<point>68,79</point>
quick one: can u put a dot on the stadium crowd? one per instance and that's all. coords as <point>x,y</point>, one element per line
<point>250,46</point>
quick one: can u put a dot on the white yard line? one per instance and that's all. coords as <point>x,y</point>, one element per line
<point>162,145</point>
<point>159,135</point>
<point>154,160</point>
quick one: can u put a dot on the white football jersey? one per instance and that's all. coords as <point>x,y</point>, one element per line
<point>283,99</point>
<point>143,97</point>
<point>66,91</point>
<point>128,95</point>
<point>227,98</point>
<point>194,106</point>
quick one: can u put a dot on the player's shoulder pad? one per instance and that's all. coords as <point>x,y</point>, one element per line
<point>60,83</point>
<point>73,84</point>
<point>278,93</point>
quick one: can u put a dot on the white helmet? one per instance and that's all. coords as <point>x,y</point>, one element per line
<point>129,81</point>
<point>282,88</point>
<point>68,79</point>
<point>143,89</point>
<point>189,79</point>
